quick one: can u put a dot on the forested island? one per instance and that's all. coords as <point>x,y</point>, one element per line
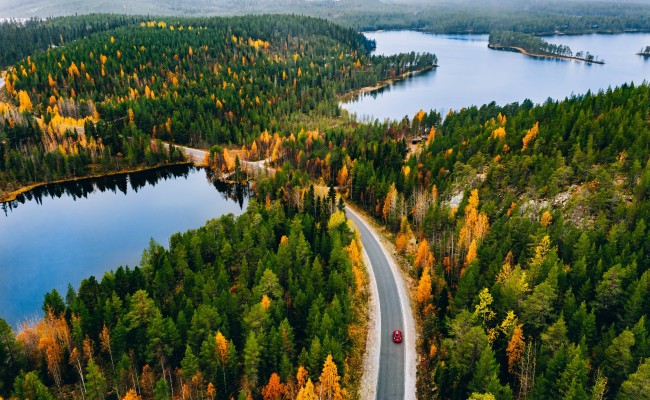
<point>535,47</point>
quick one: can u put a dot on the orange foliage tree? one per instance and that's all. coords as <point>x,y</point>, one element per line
<point>301,376</point>
<point>474,228</point>
<point>222,353</point>
<point>275,389</point>
<point>342,178</point>
<point>424,257</point>
<point>531,134</point>
<point>131,395</point>
<point>515,349</point>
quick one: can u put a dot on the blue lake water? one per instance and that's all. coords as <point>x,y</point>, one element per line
<point>63,233</point>
<point>471,74</point>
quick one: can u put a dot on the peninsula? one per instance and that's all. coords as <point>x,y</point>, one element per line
<point>535,47</point>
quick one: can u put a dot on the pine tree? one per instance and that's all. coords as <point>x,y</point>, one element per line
<point>28,386</point>
<point>486,376</point>
<point>95,382</point>
<point>618,358</point>
<point>637,385</point>
<point>252,353</point>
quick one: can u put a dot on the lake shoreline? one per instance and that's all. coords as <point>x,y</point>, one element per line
<point>13,195</point>
<point>529,54</point>
<point>382,84</point>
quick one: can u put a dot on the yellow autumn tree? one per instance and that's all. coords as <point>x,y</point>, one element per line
<point>499,133</point>
<point>228,161</point>
<point>330,388</point>
<point>355,255</point>
<point>265,302</point>
<point>424,257</point>
<point>404,236</point>
<point>531,134</point>
<point>222,347</point>
<point>546,219</point>
<point>475,227</point>
<point>390,202</point>
<point>501,119</point>
<point>401,241</point>
<point>482,309</point>
<point>342,178</point>
<point>24,101</point>
<point>471,253</point>
<point>423,294</point>
<point>131,395</point>
<point>73,70</point>
<point>419,116</point>
<point>307,392</point>
<point>432,135</point>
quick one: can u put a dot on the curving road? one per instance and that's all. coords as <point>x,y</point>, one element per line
<point>396,377</point>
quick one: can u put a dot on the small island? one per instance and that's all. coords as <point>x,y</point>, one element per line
<point>644,52</point>
<point>535,47</point>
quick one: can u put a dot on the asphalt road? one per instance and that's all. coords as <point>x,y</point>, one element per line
<point>391,379</point>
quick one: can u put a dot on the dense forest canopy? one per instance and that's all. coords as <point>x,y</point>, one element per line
<point>522,226</point>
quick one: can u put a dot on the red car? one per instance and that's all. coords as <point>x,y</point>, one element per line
<point>397,336</point>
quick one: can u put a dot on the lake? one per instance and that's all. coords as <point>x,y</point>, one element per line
<point>471,74</point>
<point>62,233</point>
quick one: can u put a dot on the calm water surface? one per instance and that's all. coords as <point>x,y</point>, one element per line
<point>64,233</point>
<point>471,74</point>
